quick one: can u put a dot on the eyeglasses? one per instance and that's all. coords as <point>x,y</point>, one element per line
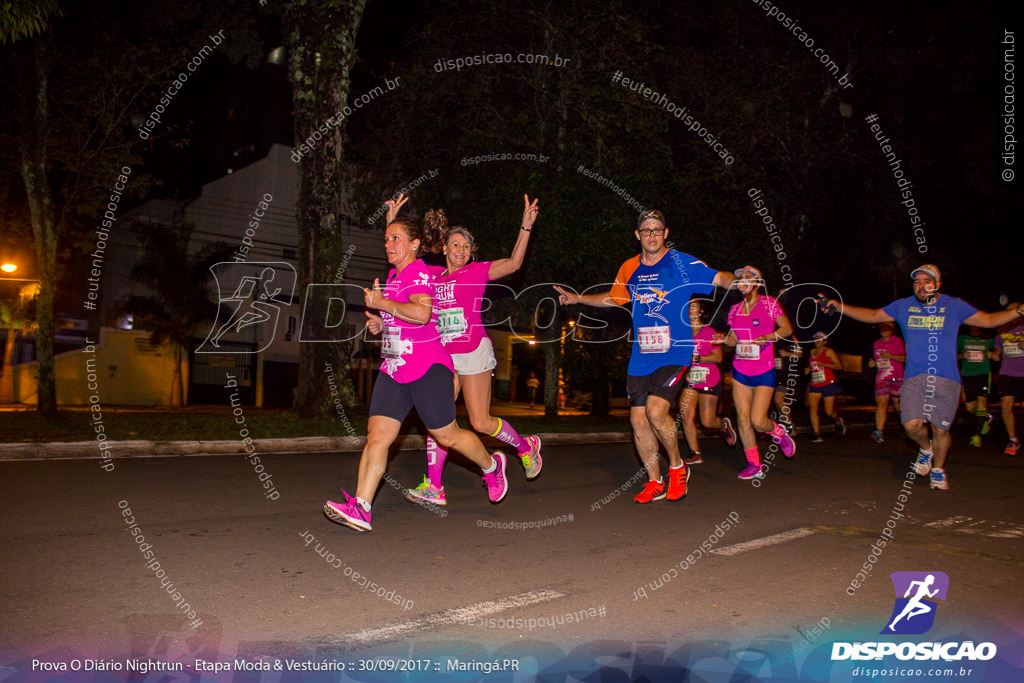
<point>647,232</point>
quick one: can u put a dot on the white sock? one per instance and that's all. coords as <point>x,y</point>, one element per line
<point>365,505</point>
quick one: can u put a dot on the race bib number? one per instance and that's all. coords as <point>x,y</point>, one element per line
<point>392,338</point>
<point>884,364</point>
<point>1012,350</point>
<point>451,322</point>
<point>818,377</point>
<point>655,339</point>
<point>974,356</point>
<point>697,375</point>
<point>748,351</point>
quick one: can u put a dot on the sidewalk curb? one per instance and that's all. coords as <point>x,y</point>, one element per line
<point>87,450</point>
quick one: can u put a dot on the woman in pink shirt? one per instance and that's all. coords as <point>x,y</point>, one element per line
<point>754,325</point>
<point>458,295</point>
<point>887,355</point>
<point>703,387</point>
<point>415,371</point>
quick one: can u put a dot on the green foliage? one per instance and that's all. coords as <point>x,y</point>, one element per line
<point>25,19</point>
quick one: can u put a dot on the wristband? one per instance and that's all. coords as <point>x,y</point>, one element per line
<point>526,229</point>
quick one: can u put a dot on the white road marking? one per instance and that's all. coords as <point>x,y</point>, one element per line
<point>763,542</point>
<point>451,617</point>
<point>967,525</point>
<point>949,521</point>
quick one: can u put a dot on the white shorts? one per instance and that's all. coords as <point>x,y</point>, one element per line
<point>476,362</point>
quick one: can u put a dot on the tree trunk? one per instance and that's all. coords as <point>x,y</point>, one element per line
<point>552,361</point>
<point>321,51</point>
<point>177,388</point>
<point>7,372</point>
<point>44,228</point>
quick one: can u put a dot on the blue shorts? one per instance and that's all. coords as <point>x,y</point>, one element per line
<point>826,390</point>
<point>765,379</point>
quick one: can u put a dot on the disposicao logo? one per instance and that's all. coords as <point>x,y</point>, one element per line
<point>913,613</point>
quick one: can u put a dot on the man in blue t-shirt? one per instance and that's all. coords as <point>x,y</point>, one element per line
<point>931,388</point>
<point>658,283</point>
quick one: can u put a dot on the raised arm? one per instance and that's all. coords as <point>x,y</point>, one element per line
<point>859,313</point>
<point>600,300</point>
<point>985,319</point>
<point>507,266</point>
<point>394,205</point>
<point>723,279</point>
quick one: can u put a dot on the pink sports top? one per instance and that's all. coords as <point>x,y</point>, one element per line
<point>410,349</point>
<point>703,375</point>
<point>754,359</point>
<point>458,301</point>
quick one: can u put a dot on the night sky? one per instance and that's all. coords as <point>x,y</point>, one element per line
<point>933,75</point>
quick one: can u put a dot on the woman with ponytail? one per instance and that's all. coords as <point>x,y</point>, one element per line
<point>458,293</point>
<point>416,371</point>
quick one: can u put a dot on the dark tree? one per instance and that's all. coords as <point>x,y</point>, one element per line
<point>320,37</point>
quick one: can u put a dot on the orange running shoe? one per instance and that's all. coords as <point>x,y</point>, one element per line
<point>652,491</point>
<point>677,479</point>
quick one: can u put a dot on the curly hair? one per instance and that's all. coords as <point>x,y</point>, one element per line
<point>435,231</point>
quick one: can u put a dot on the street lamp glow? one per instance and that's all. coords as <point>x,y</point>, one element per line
<point>8,267</point>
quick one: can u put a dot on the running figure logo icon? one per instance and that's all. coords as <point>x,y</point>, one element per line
<point>257,291</point>
<point>914,612</point>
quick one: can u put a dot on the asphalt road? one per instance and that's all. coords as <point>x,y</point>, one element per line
<point>549,572</point>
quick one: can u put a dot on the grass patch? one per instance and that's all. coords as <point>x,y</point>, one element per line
<point>218,424</point>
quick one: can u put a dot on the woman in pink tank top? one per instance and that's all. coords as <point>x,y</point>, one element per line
<point>755,324</point>
<point>458,294</point>
<point>416,371</point>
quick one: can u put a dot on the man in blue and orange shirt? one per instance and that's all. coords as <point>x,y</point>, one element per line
<point>658,282</point>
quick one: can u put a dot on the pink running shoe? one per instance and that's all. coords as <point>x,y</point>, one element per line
<point>786,443</point>
<point>752,472</point>
<point>497,484</point>
<point>728,433</point>
<point>532,461</point>
<point>350,513</point>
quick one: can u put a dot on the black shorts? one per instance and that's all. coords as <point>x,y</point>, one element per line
<point>1009,385</point>
<point>432,395</point>
<point>710,391</point>
<point>976,385</point>
<point>664,383</point>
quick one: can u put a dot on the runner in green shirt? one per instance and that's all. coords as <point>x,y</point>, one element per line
<point>975,352</point>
